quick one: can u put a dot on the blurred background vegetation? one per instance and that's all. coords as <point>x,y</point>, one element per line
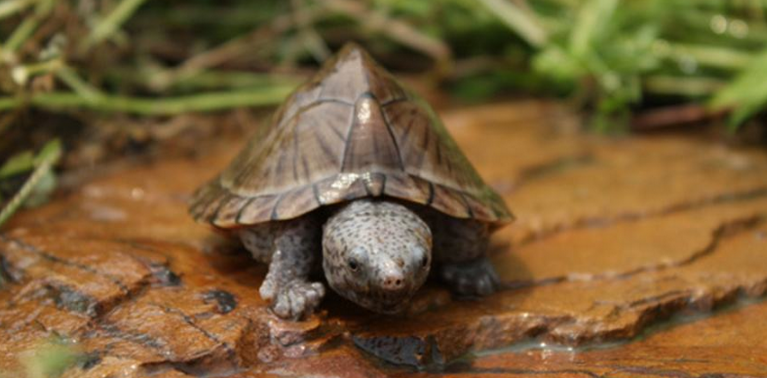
<point>109,77</point>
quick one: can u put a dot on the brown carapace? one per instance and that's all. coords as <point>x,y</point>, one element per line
<point>351,132</point>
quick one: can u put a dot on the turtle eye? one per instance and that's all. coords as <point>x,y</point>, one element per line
<point>421,255</point>
<point>356,258</point>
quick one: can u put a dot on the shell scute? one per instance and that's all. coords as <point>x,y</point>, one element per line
<point>257,209</point>
<point>294,203</point>
<point>350,132</point>
<point>229,208</point>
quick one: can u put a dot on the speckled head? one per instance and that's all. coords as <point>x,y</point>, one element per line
<point>376,254</point>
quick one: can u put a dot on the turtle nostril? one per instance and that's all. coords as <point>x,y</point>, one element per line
<point>393,283</point>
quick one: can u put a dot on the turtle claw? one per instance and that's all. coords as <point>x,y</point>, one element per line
<point>267,290</point>
<point>297,299</point>
<point>473,279</point>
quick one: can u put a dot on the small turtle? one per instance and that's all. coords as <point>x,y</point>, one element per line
<point>354,163</point>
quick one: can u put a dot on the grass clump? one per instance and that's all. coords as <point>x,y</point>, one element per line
<point>155,58</point>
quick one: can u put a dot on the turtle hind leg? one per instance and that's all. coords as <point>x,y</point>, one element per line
<point>294,246</point>
<point>460,248</point>
<point>472,278</point>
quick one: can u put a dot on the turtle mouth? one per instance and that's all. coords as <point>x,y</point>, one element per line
<point>391,309</point>
<point>384,301</point>
<point>376,299</point>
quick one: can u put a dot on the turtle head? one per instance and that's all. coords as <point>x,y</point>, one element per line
<point>376,254</point>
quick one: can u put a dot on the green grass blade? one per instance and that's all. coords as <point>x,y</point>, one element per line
<point>113,21</point>
<point>746,94</point>
<point>44,162</point>
<point>525,24</point>
<point>591,25</point>
<point>202,102</point>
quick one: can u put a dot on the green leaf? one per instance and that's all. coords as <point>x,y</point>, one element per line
<point>746,95</point>
<point>50,152</point>
<point>591,25</point>
<point>557,64</point>
<point>17,164</point>
<point>50,359</point>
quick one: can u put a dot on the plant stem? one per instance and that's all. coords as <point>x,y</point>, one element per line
<point>85,90</point>
<point>27,27</point>
<point>230,49</point>
<point>233,79</point>
<point>11,7</point>
<point>682,86</point>
<point>211,79</point>
<point>47,158</point>
<point>112,22</point>
<point>154,106</point>
<point>20,34</point>
<point>378,21</point>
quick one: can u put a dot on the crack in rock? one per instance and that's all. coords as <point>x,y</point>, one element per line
<point>556,165</point>
<point>582,223</point>
<point>724,230</point>
<point>188,320</point>
<point>59,260</point>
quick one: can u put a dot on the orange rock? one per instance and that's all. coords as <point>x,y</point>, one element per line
<point>613,235</point>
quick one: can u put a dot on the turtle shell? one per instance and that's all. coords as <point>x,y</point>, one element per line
<point>350,132</point>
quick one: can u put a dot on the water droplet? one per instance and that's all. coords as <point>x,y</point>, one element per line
<point>738,28</point>
<point>718,24</point>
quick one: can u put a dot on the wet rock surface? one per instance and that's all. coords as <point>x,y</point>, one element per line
<point>638,256</point>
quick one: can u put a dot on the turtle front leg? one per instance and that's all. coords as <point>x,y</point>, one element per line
<point>460,247</point>
<point>295,248</point>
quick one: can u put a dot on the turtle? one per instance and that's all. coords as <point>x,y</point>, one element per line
<point>361,168</point>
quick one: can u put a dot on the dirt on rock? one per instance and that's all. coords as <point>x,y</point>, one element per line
<point>614,236</point>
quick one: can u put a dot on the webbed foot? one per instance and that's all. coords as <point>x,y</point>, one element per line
<point>472,278</point>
